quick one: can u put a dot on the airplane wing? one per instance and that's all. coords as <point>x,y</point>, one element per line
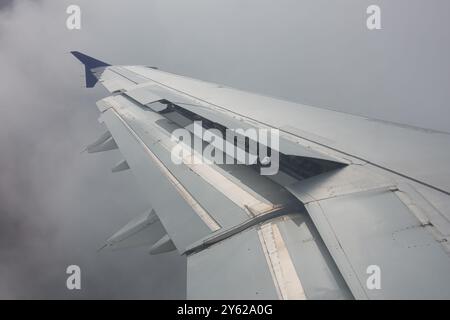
<point>358,208</point>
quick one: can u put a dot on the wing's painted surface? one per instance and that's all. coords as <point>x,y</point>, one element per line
<point>351,193</point>
<point>366,222</point>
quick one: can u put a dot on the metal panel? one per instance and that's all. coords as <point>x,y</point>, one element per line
<point>283,257</point>
<point>235,268</point>
<point>117,84</point>
<point>320,277</point>
<point>376,228</point>
<point>131,76</point>
<point>143,95</point>
<point>338,182</point>
<point>172,95</point>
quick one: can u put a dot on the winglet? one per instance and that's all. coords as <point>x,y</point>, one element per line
<point>89,64</point>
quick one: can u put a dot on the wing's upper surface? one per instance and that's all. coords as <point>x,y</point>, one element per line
<point>352,193</point>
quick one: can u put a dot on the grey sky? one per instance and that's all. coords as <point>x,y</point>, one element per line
<point>4,4</point>
<point>57,206</point>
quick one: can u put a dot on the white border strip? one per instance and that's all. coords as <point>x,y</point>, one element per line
<point>283,272</point>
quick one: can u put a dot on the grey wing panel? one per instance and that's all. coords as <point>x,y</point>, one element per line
<point>233,269</point>
<point>114,82</point>
<point>319,275</point>
<point>378,229</point>
<point>282,258</point>
<point>364,223</point>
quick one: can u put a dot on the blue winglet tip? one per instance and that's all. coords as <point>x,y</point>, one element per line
<point>89,64</point>
<point>88,61</point>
